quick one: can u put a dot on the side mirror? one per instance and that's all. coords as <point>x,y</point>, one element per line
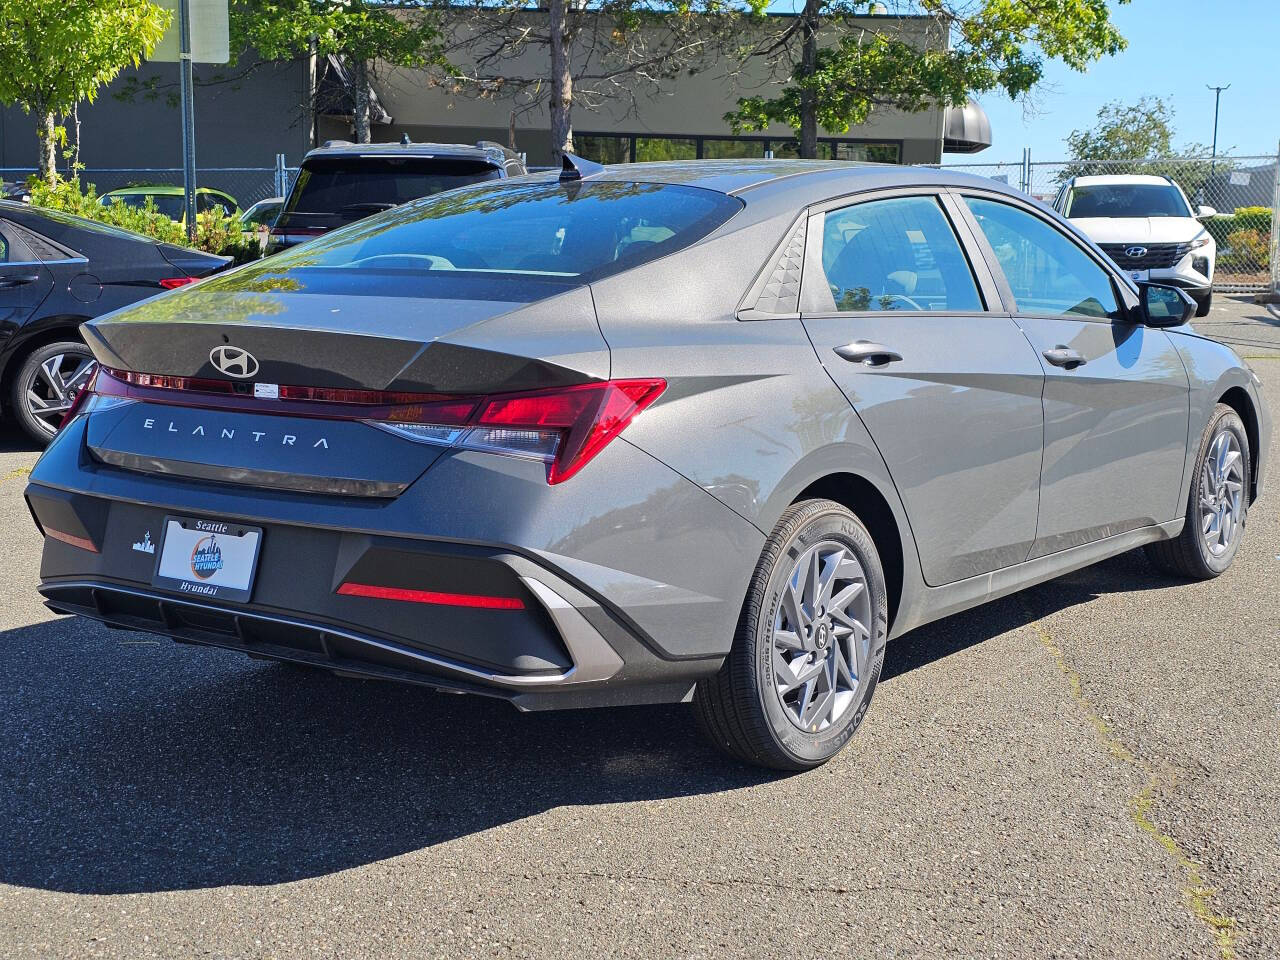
<point>1206,212</point>
<point>1164,306</point>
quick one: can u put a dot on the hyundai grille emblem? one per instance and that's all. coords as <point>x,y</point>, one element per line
<point>1136,253</point>
<point>234,362</point>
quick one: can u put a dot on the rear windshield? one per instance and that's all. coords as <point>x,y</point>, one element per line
<point>574,232</point>
<point>331,191</point>
<point>1127,200</point>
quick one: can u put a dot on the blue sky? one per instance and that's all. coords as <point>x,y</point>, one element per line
<point>1175,48</point>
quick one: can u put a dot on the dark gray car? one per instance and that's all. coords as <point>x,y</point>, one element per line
<point>712,431</point>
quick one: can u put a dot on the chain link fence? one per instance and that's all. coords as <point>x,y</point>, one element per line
<point>247,185</point>
<point>1244,192</point>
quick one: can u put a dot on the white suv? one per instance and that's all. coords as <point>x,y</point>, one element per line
<point>1148,227</point>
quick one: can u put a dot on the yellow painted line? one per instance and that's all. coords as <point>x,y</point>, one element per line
<point>1198,893</point>
<point>16,472</point>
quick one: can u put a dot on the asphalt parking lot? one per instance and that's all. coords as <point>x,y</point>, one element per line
<point>1090,768</point>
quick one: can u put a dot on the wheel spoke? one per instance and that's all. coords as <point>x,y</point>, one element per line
<point>52,369</point>
<point>842,668</point>
<point>788,640</point>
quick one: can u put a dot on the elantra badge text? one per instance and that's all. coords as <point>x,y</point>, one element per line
<point>286,439</point>
<point>233,361</point>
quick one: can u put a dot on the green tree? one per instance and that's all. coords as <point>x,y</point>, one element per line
<point>1139,138</point>
<point>361,32</point>
<point>929,53</point>
<point>610,50</point>
<point>56,53</point>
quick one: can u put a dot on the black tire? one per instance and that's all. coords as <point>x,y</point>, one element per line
<point>40,429</point>
<point>739,709</point>
<point>1188,555</point>
<point>1204,304</point>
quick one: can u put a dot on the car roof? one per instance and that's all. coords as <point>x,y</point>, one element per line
<point>1121,179</point>
<point>801,181</point>
<point>492,153</point>
<point>161,189</point>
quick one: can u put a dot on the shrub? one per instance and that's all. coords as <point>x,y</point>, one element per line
<point>1244,218</point>
<point>216,231</point>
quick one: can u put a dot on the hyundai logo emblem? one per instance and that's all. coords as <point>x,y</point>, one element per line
<point>1135,252</point>
<point>233,361</point>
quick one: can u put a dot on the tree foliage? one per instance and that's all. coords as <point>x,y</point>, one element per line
<point>57,53</point>
<point>359,29</point>
<point>362,32</point>
<point>1126,132</point>
<point>836,70</point>
<point>1138,138</point>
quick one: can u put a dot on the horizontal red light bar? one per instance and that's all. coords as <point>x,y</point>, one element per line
<point>173,283</point>
<point>430,596</point>
<point>84,543</point>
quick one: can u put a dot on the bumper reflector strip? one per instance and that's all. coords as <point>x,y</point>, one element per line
<point>430,596</point>
<point>82,542</point>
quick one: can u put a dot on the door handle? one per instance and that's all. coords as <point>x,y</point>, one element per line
<point>7,283</point>
<point>868,353</point>
<point>1065,357</point>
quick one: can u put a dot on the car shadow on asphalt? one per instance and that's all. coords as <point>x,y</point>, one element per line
<point>136,766</point>
<point>1126,573</point>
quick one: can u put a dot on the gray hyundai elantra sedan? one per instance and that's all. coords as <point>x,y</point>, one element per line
<point>710,431</point>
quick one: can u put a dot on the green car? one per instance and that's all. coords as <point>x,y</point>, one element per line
<point>170,200</point>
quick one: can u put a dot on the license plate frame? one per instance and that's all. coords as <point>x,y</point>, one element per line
<point>236,567</point>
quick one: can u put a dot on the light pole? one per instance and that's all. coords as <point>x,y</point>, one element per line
<point>1217,99</point>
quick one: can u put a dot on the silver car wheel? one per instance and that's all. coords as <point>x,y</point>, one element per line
<point>54,386</point>
<point>1222,493</point>
<point>821,640</point>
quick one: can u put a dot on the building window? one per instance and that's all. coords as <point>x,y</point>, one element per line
<point>603,148</point>
<point>873,152</point>
<point>714,148</point>
<point>666,148</point>
<point>621,148</point>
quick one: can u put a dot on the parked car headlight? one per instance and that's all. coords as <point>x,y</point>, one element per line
<point>1201,242</point>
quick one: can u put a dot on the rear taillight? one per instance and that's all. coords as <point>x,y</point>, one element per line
<point>173,283</point>
<point>564,427</point>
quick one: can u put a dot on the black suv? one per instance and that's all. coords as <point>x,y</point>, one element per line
<point>342,182</point>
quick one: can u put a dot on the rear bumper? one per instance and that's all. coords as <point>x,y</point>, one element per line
<point>624,593</point>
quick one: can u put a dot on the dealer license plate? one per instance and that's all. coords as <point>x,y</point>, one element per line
<point>208,558</point>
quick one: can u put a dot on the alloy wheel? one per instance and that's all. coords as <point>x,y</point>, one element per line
<point>821,637</point>
<point>54,387</point>
<point>1222,493</point>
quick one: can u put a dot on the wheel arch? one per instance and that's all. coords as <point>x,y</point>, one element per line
<point>46,331</point>
<point>863,498</point>
<point>1238,399</point>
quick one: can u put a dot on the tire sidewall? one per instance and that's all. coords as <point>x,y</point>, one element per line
<point>830,523</point>
<point>1226,419</point>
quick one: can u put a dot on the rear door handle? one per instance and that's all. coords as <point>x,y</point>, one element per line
<point>1065,357</point>
<point>7,283</point>
<point>866,352</point>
